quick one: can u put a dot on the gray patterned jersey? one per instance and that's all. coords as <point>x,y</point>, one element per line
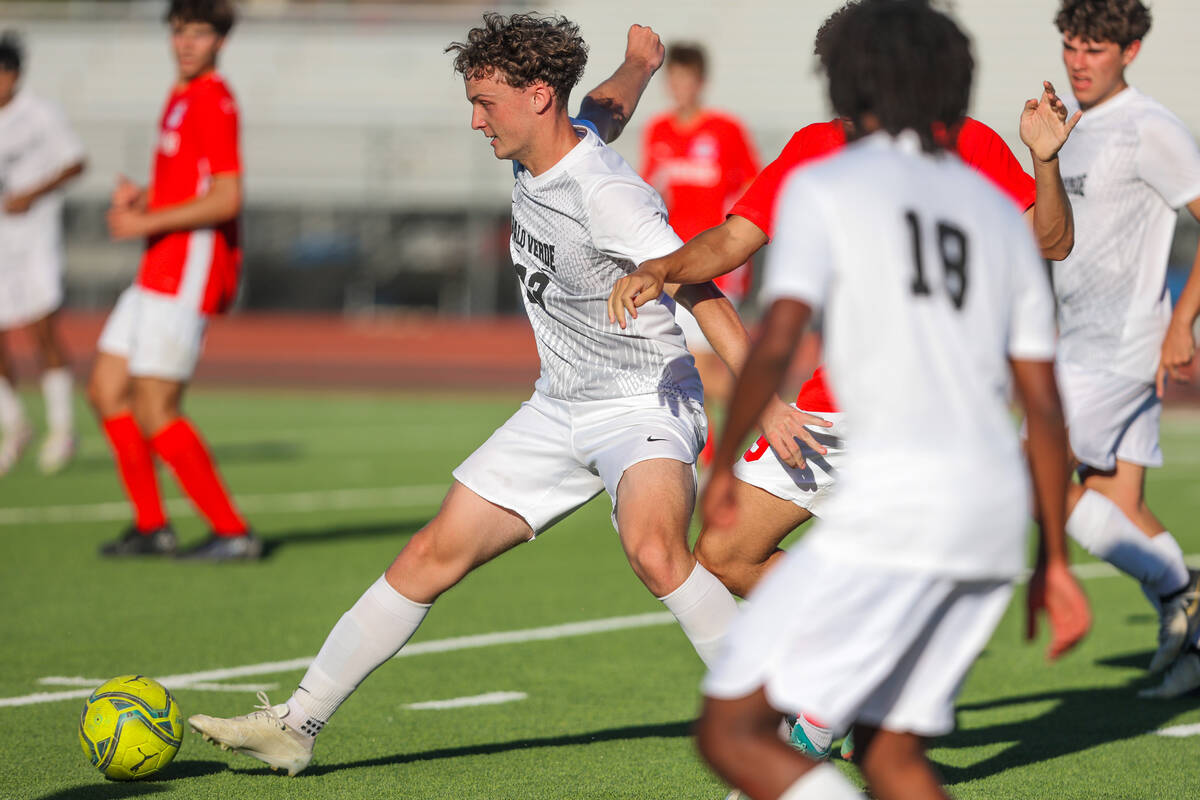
<point>576,229</point>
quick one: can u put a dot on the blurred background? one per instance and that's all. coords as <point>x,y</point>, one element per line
<point>371,202</point>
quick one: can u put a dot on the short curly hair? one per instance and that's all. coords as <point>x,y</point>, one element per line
<point>1120,21</point>
<point>902,62</point>
<point>12,52</point>
<point>524,49</point>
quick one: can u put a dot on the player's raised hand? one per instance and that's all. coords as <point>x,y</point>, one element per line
<point>635,290</point>
<point>645,45</point>
<point>1044,124</point>
<point>784,427</point>
<point>1053,588</point>
<point>1178,350</point>
<point>718,504</point>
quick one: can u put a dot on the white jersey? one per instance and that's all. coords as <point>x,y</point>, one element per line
<point>1129,164</point>
<point>576,229</point>
<point>36,143</point>
<point>930,281</point>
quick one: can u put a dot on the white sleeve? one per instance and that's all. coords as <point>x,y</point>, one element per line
<point>1168,159</point>
<point>629,222</point>
<point>1032,333</point>
<point>800,261</point>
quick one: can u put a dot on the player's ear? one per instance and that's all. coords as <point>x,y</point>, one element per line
<point>1130,52</point>
<point>541,97</point>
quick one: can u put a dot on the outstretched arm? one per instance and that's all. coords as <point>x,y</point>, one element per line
<point>1179,346</point>
<point>708,255</point>
<point>610,105</point>
<point>1052,587</point>
<point>1044,130</point>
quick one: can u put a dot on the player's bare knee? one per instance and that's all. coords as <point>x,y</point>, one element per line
<point>660,565</point>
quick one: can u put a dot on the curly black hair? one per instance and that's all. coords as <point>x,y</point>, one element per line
<point>12,53</point>
<point>904,63</point>
<point>218,13</point>
<point>1120,21</point>
<point>524,49</point>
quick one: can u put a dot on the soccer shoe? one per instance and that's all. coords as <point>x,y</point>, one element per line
<point>159,542</point>
<point>799,739</point>
<point>1178,620</point>
<point>1182,677</point>
<point>261,734</point>
<point>735,795</point>
<point>847,750</point>
<point>246,547</point>
<point>12,446</point>
<point>56,452</point>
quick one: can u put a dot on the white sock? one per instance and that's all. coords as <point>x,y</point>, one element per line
<point>57,386</point>
<point>1105,532</point>
<point>1171,551</point>
<point>705,609</point>
<point>820,736</point>
<point>367,635</point>
<point>822,782</point>
<point>12,416</point>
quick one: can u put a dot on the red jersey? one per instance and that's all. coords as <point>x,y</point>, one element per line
<point>198,138</point>
<point>978,145</point>
<point>699,168</point>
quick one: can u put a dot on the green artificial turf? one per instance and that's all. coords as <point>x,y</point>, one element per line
<point>607,714</point>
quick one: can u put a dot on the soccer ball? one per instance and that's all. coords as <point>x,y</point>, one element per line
<point>131,727</point>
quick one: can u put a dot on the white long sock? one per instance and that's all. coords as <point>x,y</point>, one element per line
<point>12,416</point>
<point>1171,551</point>
<point>367,635</point>
<point>705,609</point>
<point>1105,532</point>
<point>57,386</point>
<point>822,782</point>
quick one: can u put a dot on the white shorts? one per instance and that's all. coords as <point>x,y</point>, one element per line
<point>849,643</point>
<point>552,456</point>
<point>30,288</point>
<point>159,336</point>
<point>808,488</point>
<point>1110,417</point>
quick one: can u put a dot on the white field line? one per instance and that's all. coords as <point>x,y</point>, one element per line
<point>1179,731</point>
<point>190,679</point>
<point>55,680</point>
<point>283,502</point>
<point>489,699</point>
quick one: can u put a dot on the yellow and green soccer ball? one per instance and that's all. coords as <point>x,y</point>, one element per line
<point>131,727</point>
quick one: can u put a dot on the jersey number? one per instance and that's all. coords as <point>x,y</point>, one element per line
<point>952,246</point>
<point>535,284</point>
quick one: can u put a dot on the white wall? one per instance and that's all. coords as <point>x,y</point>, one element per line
<point>370,112</point>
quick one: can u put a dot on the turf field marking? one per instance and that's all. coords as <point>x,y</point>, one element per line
<point>283,502</point>
<point>1179,731</point>
<point>489,699</point>
<point>55,680</point>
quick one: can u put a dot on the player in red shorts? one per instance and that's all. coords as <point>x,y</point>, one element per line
<point>151,341</point>
<point>778,491</point>
<point>700,160</point>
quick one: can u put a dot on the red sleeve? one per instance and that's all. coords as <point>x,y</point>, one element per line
<point>808,143</point>
<point>217,127</point>
<point>983,150</point>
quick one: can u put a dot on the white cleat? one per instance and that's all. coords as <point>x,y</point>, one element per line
<point>58,448</point>
<point>1178,620</point>
<point>1181,678</point>
<point>13,445</point>
<point>261,734</point>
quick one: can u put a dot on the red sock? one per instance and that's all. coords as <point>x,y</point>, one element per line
<point>706,455</point>
<point>179,445</point>
<point>135,463</point>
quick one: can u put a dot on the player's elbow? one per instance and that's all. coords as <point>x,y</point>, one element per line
<point>226,196</point>
<point>1061,248</point>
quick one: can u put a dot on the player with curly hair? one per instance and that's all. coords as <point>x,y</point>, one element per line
<point>616,412</point>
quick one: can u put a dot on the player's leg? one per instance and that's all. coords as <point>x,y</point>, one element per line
<point>157,407</point>
<point>738,739</point>
<point>109,394</point>
<point>895,765</point>
<point>654,503</point>
<point>57,389</point>
<point>15,432</point>
<point>466,532</point>
<point>740,556</point>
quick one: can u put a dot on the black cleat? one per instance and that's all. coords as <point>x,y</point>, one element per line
<point>158,542</point>
<point>246,547</point>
